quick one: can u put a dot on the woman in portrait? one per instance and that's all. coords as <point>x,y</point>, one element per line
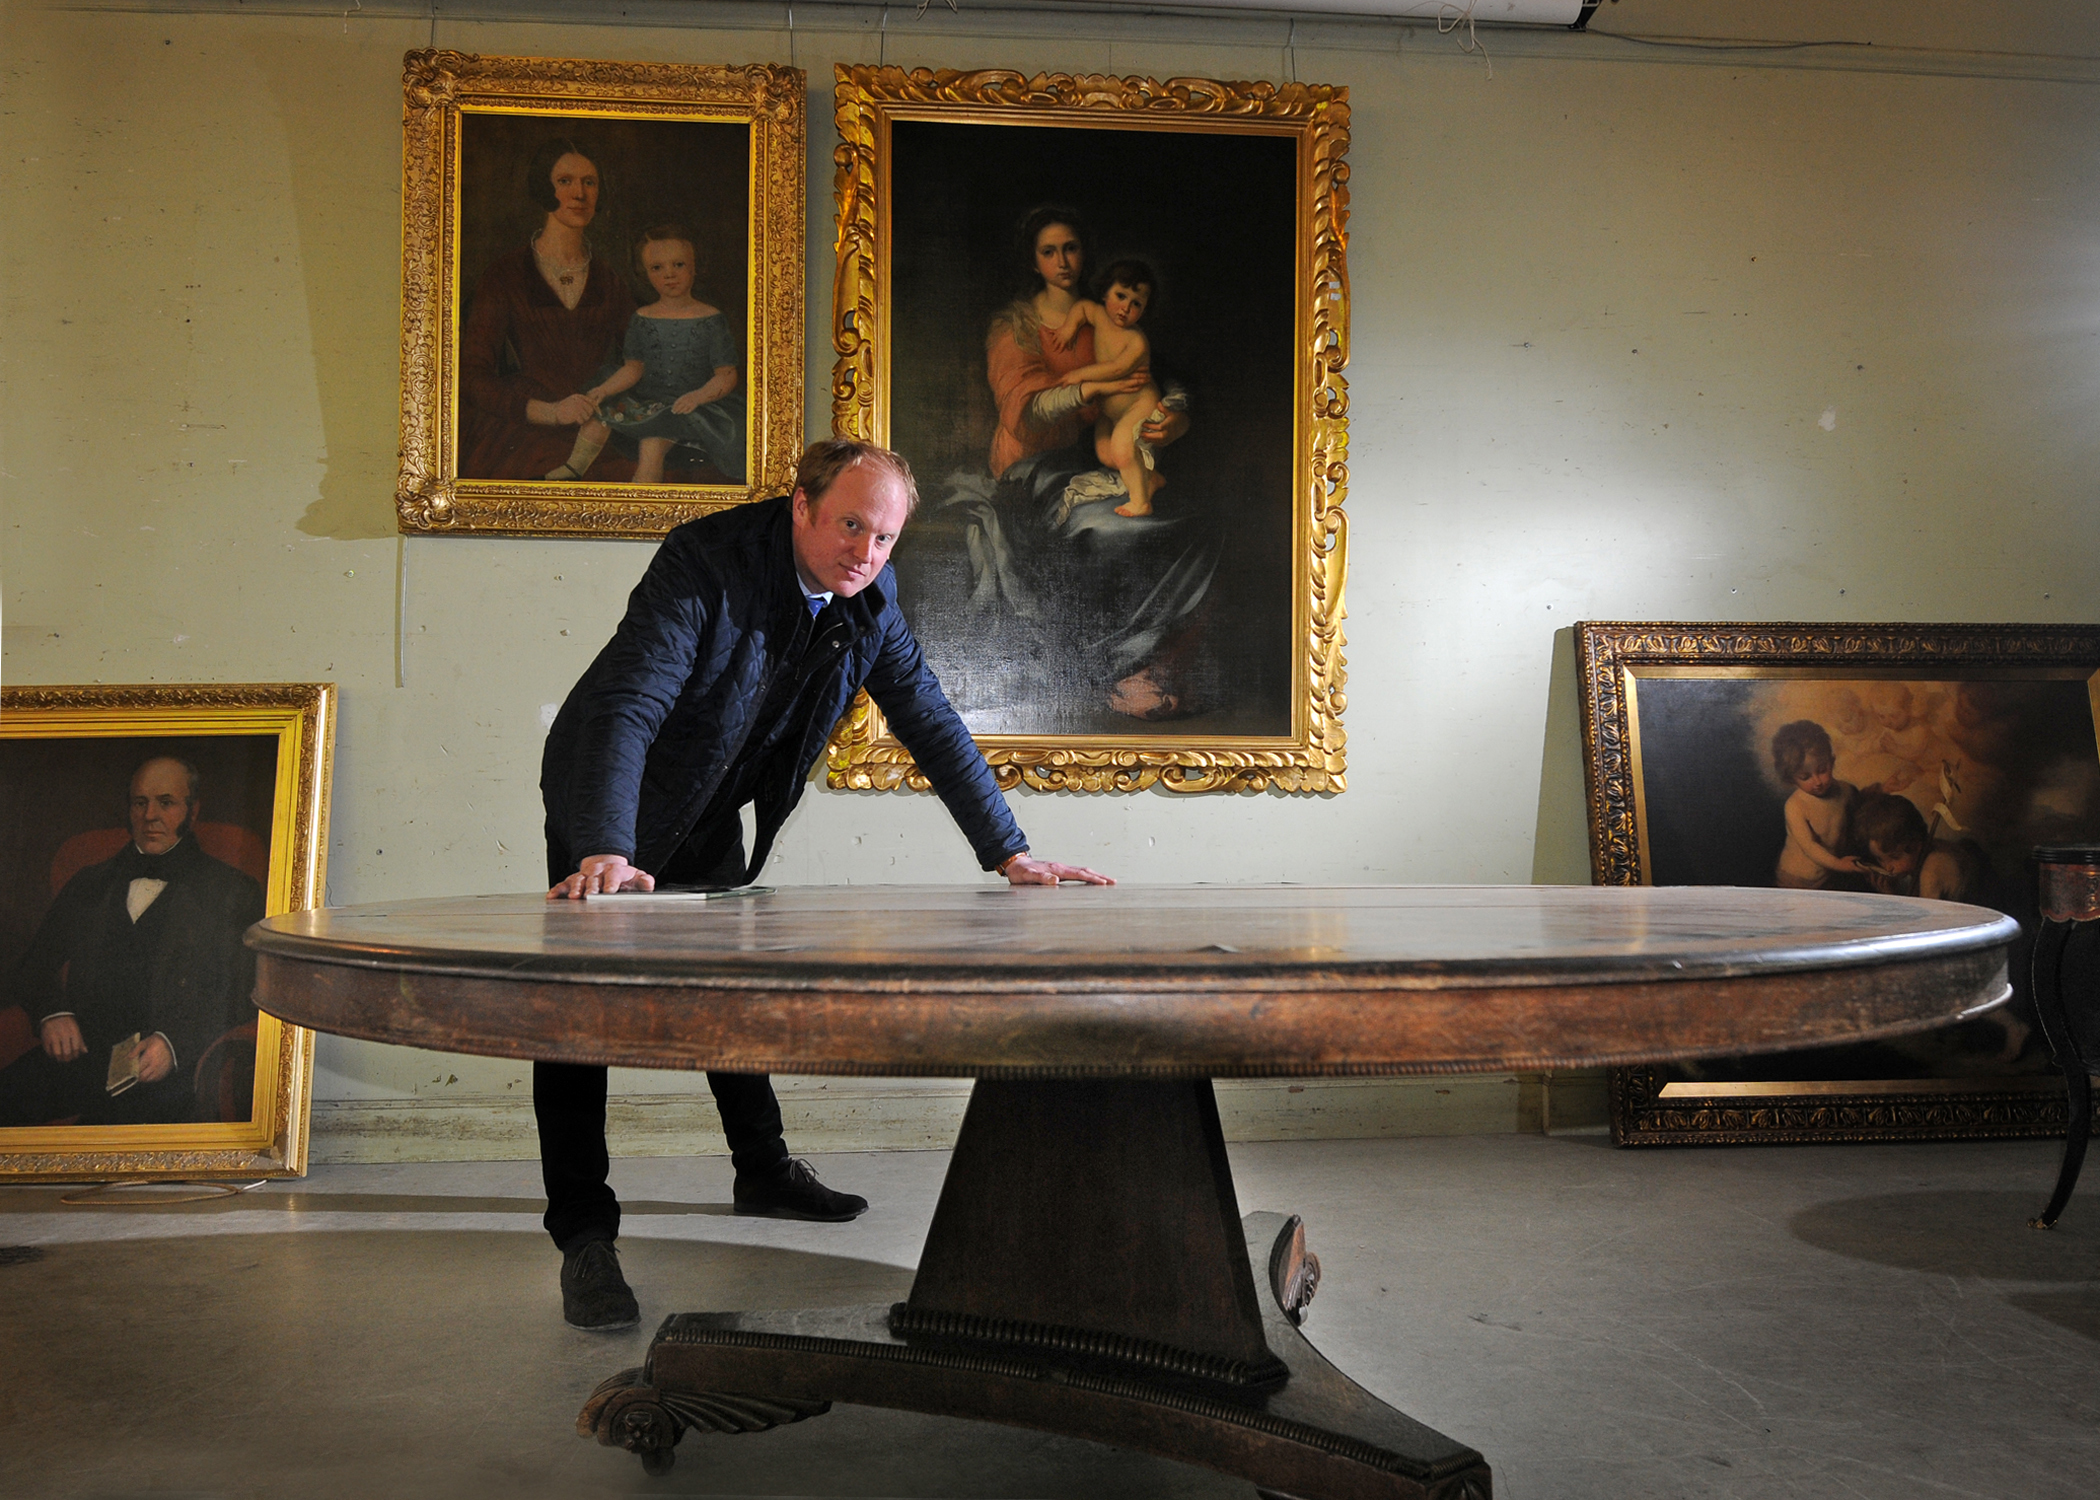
<point>1129,589</point>
<point>544,330</point>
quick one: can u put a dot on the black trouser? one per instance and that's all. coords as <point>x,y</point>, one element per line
<point>34,1090</point>
<point>568,1099</point>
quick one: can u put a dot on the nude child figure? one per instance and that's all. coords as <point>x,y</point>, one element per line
<point>1121,350</point>
<point>1816,813</point>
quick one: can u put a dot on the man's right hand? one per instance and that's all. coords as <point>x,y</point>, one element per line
<point>601,875</point>
<point>62,1039</point>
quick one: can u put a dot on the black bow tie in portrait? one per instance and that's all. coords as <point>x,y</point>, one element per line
<point>135,864</point>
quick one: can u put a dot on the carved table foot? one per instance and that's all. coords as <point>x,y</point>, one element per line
<point>625,1411</point>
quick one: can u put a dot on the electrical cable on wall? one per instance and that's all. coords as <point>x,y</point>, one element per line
<point>1450,17</point>
<point>401,612</point>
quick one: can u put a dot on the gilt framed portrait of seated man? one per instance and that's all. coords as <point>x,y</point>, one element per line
<point>1926,761</point>
<point>145,830</point>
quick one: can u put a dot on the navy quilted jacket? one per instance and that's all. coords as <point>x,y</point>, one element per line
<point>656,723</point>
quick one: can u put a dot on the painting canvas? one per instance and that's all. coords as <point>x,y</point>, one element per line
<point>601,292</point>
<point>1063,313</point>
<point>1922,761</point>
<point>680,183</point>
<point>142,831</point>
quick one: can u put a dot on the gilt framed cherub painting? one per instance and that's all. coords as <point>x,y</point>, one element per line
<point>1926,761</point>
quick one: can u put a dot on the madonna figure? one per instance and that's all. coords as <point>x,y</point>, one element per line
<point>1128,591</point>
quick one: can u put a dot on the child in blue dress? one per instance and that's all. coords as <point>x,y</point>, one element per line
<point>680,370</point>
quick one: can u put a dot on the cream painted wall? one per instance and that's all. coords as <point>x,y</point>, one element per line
<point>1604,305</point>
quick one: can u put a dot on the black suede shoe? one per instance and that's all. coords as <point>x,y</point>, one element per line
<point>594,1294</point>
<point>795,1193</point>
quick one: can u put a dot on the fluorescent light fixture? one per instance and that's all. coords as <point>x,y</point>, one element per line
<point>1480,12</point>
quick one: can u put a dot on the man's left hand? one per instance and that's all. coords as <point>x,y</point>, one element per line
<point>156,1059</point>
<point>1027,871</point>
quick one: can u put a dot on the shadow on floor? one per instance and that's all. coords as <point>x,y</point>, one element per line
<point>434,1363</point>
<point>1960,1233</point>
<point>2077,1312</point>
<point>49,1201</point>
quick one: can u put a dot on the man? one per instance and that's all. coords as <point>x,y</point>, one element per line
<point>741,647</point>
<point>145,944</point>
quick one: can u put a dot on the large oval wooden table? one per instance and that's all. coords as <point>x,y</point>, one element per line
<point>1087,1270</point>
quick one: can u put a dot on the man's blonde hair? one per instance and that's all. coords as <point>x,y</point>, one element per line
<point>825,461</point>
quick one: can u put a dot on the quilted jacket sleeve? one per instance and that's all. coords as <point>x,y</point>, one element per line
<point>910,696</point>
<point>630,690</point>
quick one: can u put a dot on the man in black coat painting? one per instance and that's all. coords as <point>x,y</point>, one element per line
<point>145,944</point>
<point>741,647</point>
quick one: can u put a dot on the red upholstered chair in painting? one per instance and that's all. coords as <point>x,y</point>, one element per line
<point>223,1072</point>
<point>228,843</point>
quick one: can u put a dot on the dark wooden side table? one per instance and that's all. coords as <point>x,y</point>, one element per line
<point>1087,1270</point>
<point>2069,875</point>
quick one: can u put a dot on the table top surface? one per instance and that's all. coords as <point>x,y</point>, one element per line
<point>984,933</point>
<point>1150,979</point>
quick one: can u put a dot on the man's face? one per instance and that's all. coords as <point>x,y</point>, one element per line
<point>843,540</point>
<point>161,806</point>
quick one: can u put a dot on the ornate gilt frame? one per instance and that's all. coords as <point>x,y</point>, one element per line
<point>441,87</point>
<point>301,716</point>
<point>1612,656</point>
<point>863,754</point>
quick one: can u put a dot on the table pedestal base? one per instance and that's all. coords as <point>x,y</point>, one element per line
<point>1086,1272</point>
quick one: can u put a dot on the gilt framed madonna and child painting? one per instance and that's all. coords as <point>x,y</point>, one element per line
<point>1105,320</point>
<point>1914,760</point>
<point>142,831</point>
<point>601,292</point>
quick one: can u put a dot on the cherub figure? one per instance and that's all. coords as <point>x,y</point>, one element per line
<point>1816,812</point>
<point>1121,350</point>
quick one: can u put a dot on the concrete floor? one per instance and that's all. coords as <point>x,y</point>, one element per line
<point>1873,1323</point>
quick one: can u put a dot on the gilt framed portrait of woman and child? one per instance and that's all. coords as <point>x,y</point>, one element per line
<point>1105,320</point>
<point>143,830</point>
<point>1926,761</point>
<point>601,326</point>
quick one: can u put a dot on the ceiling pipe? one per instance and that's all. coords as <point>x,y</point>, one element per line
<point>1573,14</point>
